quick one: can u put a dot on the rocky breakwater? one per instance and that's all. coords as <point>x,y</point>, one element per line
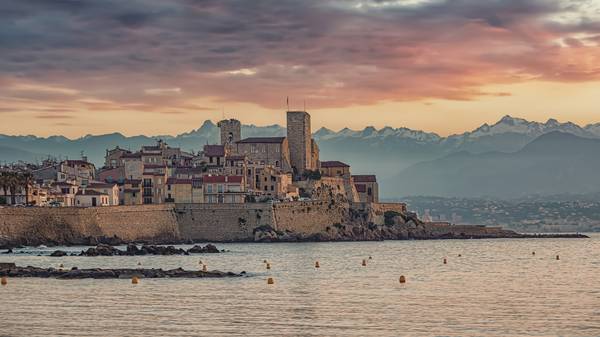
<point>11,270</point>
<point>398,226</point>
<point>133,250</point>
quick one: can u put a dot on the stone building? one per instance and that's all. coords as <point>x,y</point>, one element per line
<point>367,187</point>
<point>130,192</point>
<point>184,190</point>
<point>110,189</point>
<point>133,167</point>
<point>335,168</point>
<point>231,131</point>
<point>273,151</point>
<point>275,184</point>
<point>79,171</point>
<point>91,198</point>
<point>112,159</point>
<point>224,189</point>
<point>302,148</point>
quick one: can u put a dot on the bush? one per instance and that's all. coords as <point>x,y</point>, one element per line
<point>2,201</point>
<point>389,216</point>
<point>313,175</point>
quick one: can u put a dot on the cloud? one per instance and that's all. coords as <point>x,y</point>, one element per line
<point>154,55</point>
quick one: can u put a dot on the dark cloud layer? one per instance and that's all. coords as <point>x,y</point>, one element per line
<point>334,53</point>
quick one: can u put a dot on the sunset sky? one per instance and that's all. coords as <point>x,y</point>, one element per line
<point>163,67</point>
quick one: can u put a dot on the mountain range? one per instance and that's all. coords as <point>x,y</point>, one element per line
<point>407,162</point>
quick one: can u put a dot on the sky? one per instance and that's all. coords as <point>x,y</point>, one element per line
<point>77,67</point>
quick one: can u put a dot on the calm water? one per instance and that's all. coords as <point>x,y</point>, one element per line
<point>497,288</point>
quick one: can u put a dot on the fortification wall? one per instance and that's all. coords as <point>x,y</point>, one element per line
<point>309,217</point>
<point>222,222</point>
<point>199,222</point>
<point>71,224</point>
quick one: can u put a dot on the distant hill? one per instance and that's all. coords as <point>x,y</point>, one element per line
<point>553,163</point>
<point>10,154</point>
<point>385,152</point>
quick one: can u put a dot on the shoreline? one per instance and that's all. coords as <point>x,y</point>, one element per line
<point>305,240</point>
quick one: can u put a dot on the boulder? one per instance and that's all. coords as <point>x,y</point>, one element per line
<point>58,253</point>
<point>198,249</point>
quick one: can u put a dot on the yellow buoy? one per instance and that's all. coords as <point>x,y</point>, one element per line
<point>264,261</point>
<point>268,266</point>
<point>364,263</point>
<point>445,261</point>
<point>4,280</point>
<point>557,257</point>
<point>61,265</point>
<point>200,262</point>
<point>139,263</point>
<point>370,258</point>
<point>317,264</point>
<point>402,279</point>
<point>270,280</point>
<point>135,280</point>
<point>204,268</point>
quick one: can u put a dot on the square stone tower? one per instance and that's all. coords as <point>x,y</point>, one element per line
<point>231,131</point>
<point>300,142</point>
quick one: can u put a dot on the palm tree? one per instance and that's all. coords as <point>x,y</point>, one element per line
<point>4,177</point>
<point>26,179</point>
<point>13,183</point>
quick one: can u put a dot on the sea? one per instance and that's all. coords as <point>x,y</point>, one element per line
<point>495,287</point>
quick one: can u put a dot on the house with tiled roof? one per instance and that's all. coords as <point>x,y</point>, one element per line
<point>367,187</point>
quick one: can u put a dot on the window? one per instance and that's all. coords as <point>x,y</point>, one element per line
<point>168,187</point>
<point>209,188</point>
<point>369,191</point>
<point>272,188</point>
<point>220,188</point>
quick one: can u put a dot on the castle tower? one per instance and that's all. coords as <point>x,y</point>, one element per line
<point>231,131</point>
<point>299,139</point>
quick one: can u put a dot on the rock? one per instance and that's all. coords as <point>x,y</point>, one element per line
<point>101,250</point>
<point>209,248</point>
<point>97,273</point>
<point>7,265</point>
<point>58,253</point>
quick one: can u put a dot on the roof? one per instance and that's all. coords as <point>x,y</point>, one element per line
<point>154,166</point>
<point>77,162</point>
<point>214,150</point>
<point>177,181</point>
<point>333,163</point>
<point>131,190</point>
<point>64,183</point>
<point>255,140</point>
<point>236,157</point>
<point>361,188</point>
<point>131,155</point>
<point>222,179</point>
<point>89,192</point>
<point>101,185</point>
<point>188,169</point>
<point>364,178</point>
<point>132,181</point>
<point>150,173</point>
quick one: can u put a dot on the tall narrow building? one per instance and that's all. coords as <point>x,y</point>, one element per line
<point>300,142</point>
<point>231,131</point>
